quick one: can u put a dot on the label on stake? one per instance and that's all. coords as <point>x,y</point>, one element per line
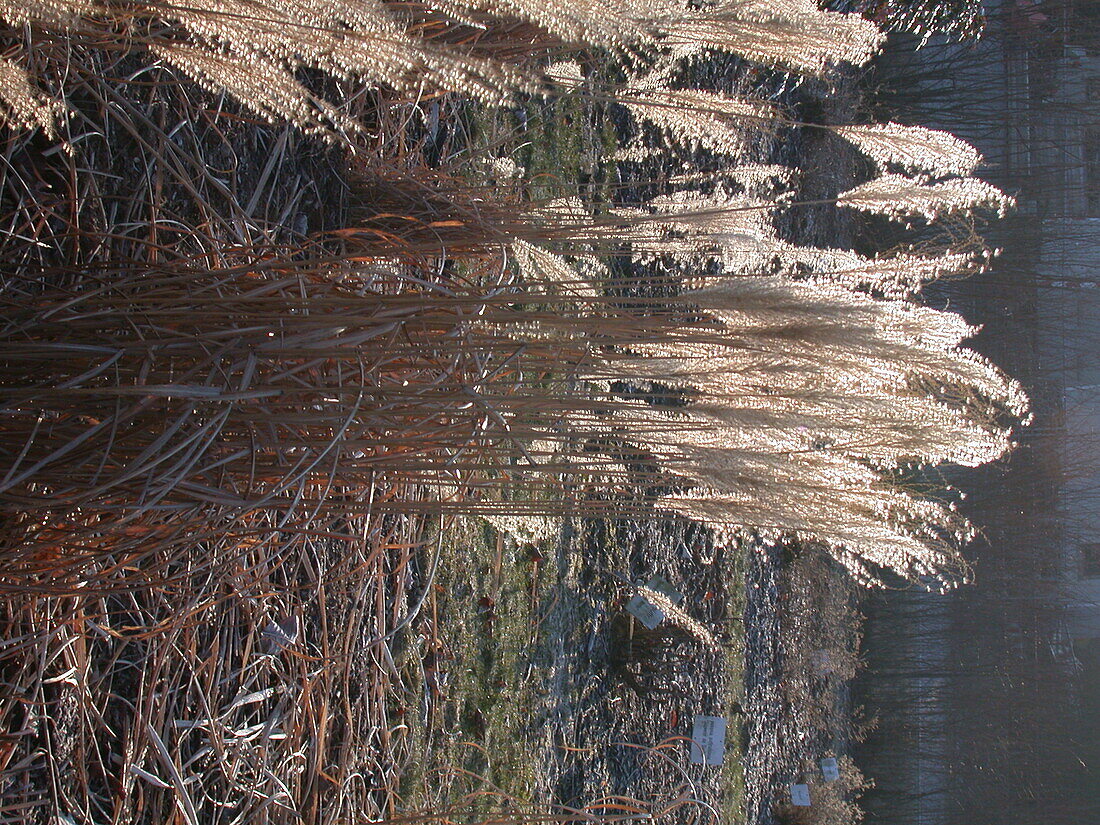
<point>829,769</point>
<point>641,609</point>
<point>708,740</point>
<point>800,796</point>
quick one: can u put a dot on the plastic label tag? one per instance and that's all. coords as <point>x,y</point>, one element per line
<point>708,740</point>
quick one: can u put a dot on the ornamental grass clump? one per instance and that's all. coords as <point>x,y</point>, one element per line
<point>183,398</point>
<point>479,346</point>
<point>241,401</point>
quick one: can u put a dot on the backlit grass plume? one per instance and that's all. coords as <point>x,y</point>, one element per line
<point>254,50</point>
<point>24,106</point>
<point>913,149</point>
<point>794,34</point>
<point>900,198</point>
<point>808,406</point>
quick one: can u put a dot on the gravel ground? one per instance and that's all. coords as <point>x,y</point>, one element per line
<point>767,759</point>
<point>602,727</point>
<point>602,734</point>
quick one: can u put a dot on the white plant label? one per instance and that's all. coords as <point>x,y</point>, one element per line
<point>645,611</point>
<point>829,769</point>
<point>708,740</point>
<point>800,796</point>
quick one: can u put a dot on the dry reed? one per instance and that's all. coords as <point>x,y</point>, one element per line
<point>222,441</point>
